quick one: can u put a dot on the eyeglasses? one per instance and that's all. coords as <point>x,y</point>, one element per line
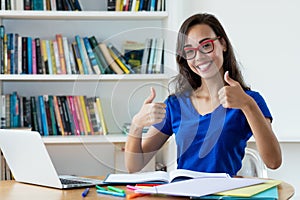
<point>204,47</point>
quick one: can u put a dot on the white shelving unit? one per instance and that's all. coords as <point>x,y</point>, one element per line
<point>121,95</point>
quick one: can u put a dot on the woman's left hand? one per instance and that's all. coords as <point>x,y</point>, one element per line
<point>232,95</point>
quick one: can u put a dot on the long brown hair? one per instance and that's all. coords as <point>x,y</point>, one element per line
<point>187,79</point>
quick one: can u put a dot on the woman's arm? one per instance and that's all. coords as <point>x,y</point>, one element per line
<point>139,149</point>
<point>233,96</point>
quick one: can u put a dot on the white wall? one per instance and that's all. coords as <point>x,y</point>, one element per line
<point>265,35</point>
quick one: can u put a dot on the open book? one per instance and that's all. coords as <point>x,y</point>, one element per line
<point>159,176</point>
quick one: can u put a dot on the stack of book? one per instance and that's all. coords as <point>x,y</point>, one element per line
<point>54,115</point>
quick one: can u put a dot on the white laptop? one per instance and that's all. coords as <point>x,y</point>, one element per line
<point>29,161</point>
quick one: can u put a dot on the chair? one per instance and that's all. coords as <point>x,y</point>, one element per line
<point>253,165</point>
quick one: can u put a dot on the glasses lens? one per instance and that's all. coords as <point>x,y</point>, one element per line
<point>206,47</point>
<point>189,53</point>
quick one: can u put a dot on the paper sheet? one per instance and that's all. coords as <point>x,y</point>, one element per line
<point>201,186</point>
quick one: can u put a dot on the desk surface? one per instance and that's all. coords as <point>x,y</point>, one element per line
<point>12,190</point>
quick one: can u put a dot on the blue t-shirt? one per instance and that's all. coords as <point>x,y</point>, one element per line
<point>214,142</point>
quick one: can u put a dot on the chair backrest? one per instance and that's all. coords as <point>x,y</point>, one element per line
<point>253,165</point>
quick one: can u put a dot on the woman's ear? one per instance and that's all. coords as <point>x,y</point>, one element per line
<point>223,42</point>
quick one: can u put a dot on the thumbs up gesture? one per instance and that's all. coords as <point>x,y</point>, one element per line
<point>232,95</point>
<point>151,112</point>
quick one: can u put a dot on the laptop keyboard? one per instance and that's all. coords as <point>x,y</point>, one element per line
<point>68,182</point>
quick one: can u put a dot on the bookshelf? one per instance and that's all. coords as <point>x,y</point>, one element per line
<point>121,95</point>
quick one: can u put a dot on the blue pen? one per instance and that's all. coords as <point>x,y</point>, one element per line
<point>85,192</point>
<point>111,193</point>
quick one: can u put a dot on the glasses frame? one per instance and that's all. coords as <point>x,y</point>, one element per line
<point>198,48</point>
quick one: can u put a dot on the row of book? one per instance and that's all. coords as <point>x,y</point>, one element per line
<point>82,55</point>
<point>136,5</point>
<point>54,5</point>
<point>54,115</point>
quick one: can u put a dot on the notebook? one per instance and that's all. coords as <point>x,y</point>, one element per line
<point>29,161</point>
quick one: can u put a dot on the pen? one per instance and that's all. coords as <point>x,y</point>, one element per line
<point>85,192</point>
<point>100,188</point>
<point>111,193</point>
<point>115,189</point>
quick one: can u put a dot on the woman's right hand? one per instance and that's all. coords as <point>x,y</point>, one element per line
<point>150,113</point>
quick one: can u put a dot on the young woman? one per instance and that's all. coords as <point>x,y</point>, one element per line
<point>211,110</point>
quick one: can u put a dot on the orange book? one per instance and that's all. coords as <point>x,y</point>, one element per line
<point>61,53</point>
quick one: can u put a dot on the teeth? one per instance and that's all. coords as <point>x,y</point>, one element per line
<point>204,66</point>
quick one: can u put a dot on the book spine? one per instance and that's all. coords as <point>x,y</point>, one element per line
<point>39,58</point>
<point>56,56</point>
<point>73,110</point>
<point>5,56</point>
<point>53,61</point>
<point>52,115</point>
<point>101,114</point>
<point>85,115</point>
<point>61,53</point>
<point>2,32</point>
<point>67,55</point>
<point>80,108</point>
<point>3,112</point>
<point>48,51</point>
<point>34,116</point>
<point>44,56</point>
<point>77,58</point>
<point>43,116</point>
<point>81,53</point>
<point>34,67</point>
<point>58,117</point>
<point>78,115</point>
<point>91,56</point>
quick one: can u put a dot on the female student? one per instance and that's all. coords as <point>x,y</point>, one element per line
<point>211,110</point>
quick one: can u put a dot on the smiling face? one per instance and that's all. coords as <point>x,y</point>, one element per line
<point>206,65</point>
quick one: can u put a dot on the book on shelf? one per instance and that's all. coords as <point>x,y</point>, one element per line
<point>101,115</point>
<point>160,176</point>
<point>91,56</point>
<point>133,52</point>
<point>114,66</point>
<point>102,63</point>
<point>120,58</point>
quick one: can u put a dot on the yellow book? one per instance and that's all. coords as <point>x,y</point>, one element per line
<point>85,115</point>
<point>119,62</point>
<point>101,114</point>
<point>77,58</point>
<point>44,55</point>
<point>54,68</point>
